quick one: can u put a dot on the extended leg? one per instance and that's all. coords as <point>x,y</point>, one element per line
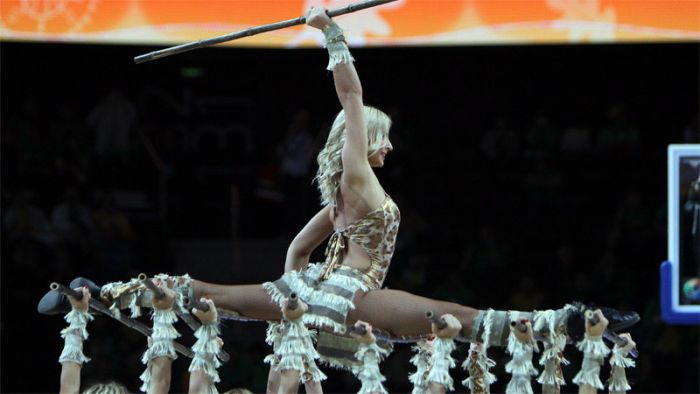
<point>249,300</point>
<point>403,314</point>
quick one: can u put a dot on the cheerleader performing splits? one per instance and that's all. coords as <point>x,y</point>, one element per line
<point>362,222</point>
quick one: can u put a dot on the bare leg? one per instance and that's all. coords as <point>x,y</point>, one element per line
<point>403,314</point>
<point>273,381</point>
<point>249,300</point>
<point>289,382</point>
<point>313,387</point>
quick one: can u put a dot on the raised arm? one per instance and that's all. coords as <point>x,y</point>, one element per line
<point>72,357</point>
<point>308,239</point>
<point>356,168</point>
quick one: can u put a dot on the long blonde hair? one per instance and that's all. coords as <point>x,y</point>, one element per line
<point>330,161</point>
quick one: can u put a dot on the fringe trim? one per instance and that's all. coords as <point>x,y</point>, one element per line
<point>594,351</point>
<point>619,359</point>
<point>114,308</point>
<point>162,342</point>
<point>552,357</point>
<point>77,322</point>
<point>73,336</point>
<point>589,373</point>
<point>618,377</point>
<point>487,323</point>
<point>368,371</point>
<point>593,346</point>
<point>318,297</point>
<point>338,53</point>
<point>440,363</point>
<point>271,359</point>
<point>274,334</point>
<point>544,321</point>
<point>478,365</point>
<point>134,305</point>
<point>296,352</point>
<point>73,350</point>
<point>421,360</point>
<point>206,350</point>
<point>521,365</point>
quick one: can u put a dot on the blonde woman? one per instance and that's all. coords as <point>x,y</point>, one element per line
<point>362,222</point>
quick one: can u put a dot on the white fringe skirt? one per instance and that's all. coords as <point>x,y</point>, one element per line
<point>329,302</point>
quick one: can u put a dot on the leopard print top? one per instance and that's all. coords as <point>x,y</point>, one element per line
<point>376,234</point>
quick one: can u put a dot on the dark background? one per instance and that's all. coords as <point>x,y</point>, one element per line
<point>527,177</point>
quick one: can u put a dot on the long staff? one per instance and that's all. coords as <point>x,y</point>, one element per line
<point>252,31</point>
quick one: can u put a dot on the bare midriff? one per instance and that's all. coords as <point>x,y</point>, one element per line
<point>356,257</point>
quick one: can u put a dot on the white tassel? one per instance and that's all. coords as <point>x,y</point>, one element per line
<point>162,342</point>
<point>296,352</point>
<point>552,357</point>
<point>314,296</point>
<point>73,336</point>
<point>440,363</point>
<point>520,366</point>
<point>594,351</point>
<point>134,305</point>
<point>368,371</point>
<point>338,56</point>
<point>478,365</point>
<point>337,49</point>
<point>114,308</point>
<point>593,346</point>
<point>274,334</point>
<point>618,377</point>
<point>273,338</point>
<point>551,360</point>
<point>421,360</point>
<point>206,350</point>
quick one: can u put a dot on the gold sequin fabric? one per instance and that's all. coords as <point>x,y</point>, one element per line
<point>376,234</point>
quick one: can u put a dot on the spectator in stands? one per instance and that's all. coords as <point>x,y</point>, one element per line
<point>500,141</point>
<point>114,236</point>
<point>618,138</point>
<point>112,119</point>
<point>542,140</point>
<point>73,226</point>
<point>25,221</point>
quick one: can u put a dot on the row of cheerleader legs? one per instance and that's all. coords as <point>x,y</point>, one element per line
<point>294,357</point>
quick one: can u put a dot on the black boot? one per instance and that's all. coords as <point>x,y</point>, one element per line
<point>55,303</point>
<point>617,320</point>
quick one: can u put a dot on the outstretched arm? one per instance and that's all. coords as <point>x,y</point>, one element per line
<point>356,168</point>
<point>308,239</point>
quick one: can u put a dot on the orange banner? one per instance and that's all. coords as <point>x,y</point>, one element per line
<point>403,22</point>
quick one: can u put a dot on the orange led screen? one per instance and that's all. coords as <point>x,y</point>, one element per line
<point>403,22</point>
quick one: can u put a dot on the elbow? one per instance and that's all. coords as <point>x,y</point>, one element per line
<point>298,249</point>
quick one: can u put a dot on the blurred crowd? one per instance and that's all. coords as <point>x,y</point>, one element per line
<point>523,213</point>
